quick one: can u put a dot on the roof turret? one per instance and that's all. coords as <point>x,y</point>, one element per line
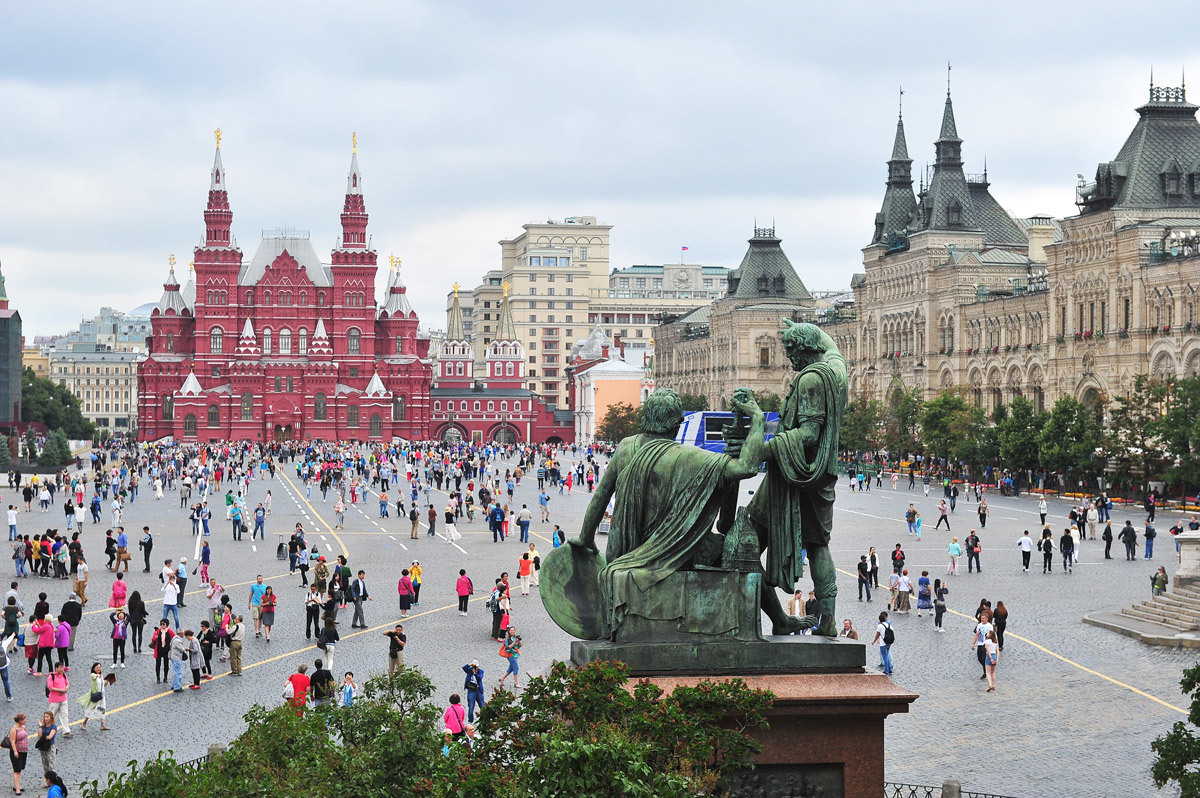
<point>505,329</point>
<point>455,329</point>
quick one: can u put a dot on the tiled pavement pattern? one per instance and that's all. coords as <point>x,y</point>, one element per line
<point>1056,726</point>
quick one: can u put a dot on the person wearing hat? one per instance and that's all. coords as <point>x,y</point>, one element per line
<point>181,577</point>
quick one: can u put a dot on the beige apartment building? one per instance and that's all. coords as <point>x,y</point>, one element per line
<point>104,381</point>
<point>561,285</point>
<point>32,357</point>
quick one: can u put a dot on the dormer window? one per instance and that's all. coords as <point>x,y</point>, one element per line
<point>1171,184</point>
<point>954,214</point>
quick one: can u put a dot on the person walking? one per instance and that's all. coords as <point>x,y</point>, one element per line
<point>974,549</point>
<point>57,685</point>
<point>268,604</point>
<point>897,559</point>
<point>984,511</point>
<point>47,742</point>
<point>257,591</point>
<point>207,639</point>
<point>1025,544</point>
<point>359,594</point>
<point>525,572</point>
<point>120,632</point>
<point>510,649</point>
<point>884,638</point>
<point>924,593</point>
<point>873,561</point>
<point>237,634</point>
<point>955,550</point>
<point>1042,510</point>
<point>991,658</point>
<point>1149,534</point>
<point>943,510</point>
<point>1046,547</point>
<point>396,642</point>
<point>18,749</point>
<point>1000,622</point>
<point>1107,537</point>
<point>1128,536</point>
<point>94,701</point>
<point>160,644</point>
<point>864,577</point>
<point>464,588</point>
<point>940,592</point>
<point>1158,586</point>
<point>904,588</point>
<point>979,638</point>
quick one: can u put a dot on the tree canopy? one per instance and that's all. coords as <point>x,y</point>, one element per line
<point>571,732</point>
<point>1178,752</point>
<point>45,401</point>
<point>620,421</point>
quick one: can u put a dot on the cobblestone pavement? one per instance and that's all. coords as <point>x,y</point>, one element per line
<point>1076,708</point>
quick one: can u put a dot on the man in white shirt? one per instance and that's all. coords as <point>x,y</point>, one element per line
<point>170,592</point>
<point>13,512</point>
<point>1025,543</point>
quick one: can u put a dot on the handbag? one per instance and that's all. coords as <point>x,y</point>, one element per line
<point>289,690</point>
<point>6,743</point>
<point>96,697</point>
<point>43,743</point>
<point>504,651</point>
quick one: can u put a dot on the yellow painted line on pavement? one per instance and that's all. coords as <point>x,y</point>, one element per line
<point>1061,658</point>
<point>277,657</point>
<point>300,497</point>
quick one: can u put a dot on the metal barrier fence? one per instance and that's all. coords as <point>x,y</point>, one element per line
<point>894,789</point>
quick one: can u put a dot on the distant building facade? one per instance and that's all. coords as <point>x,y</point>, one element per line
<point>736,341</point>
<point>11,371</point>
<point>957,293</point>
<point>284,346</point>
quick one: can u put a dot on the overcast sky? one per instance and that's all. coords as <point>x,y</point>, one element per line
<point>678,123</point>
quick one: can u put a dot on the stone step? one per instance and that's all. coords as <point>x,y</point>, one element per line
<point>1146,631</point>
<point>1182,602</point>
<point>1191,594</point>
<point>1171,619</point>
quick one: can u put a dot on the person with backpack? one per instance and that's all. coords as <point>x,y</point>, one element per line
<point>884,637</point>
<point>1046,547</point>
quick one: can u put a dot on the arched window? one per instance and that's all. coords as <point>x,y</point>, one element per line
<point>437,406</point>
<point>170,342</point>
<point>347,299</point>
<point>508,369</point>
<point>319,407</point>
<point>189,425</point>
<point>216,340</point>
<point>463,406</point>
<point>168,407</point>
<point>303,299</point>
<point>459,368</point>
<point>267,341</point>
<point>285,342</point>
<point>352,416</point>
<point>491,405</point>
<point>247,407</point>
<point>249,297</point>
<point>353,341</point>
<point>376,426</point>
<point>476,406</point>
<point>399,345</point>
<point>266,297</point>
<point>214,416</point>
<point>302,341</point>
<point>504,407</point>
<point>209,296</point>
<point>320,299</point>
<point>224,298</point>
<point>398,408</point>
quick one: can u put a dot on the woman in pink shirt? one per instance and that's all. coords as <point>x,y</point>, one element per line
<point>405,589</point>
<point>120,589</point>
<point>464,588</point>
<point>44,630</point>
<point>455,717</point>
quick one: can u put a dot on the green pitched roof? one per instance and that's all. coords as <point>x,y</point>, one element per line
<point>765,270</point>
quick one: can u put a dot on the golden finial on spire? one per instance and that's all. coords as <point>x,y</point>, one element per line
<point>392,260</point>
<point>456,286</point>
<point>399,263</point>
<point>354,138</point>
<point>171,260</point>
<point>505,286</point>
<point>217,133</point>
<point>191,266</point>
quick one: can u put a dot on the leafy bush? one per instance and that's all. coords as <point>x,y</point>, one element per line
<point>571,732</point>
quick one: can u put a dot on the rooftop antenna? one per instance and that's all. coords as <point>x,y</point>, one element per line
<point>901,102</point>
<point>948,68</point>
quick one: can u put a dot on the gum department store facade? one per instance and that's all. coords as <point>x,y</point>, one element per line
<point>958,293</point>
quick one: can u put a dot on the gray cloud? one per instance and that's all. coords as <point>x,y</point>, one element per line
<point>677,122</point>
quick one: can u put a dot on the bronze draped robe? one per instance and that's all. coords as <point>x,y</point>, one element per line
<point>654,534</point>
<point>795,500</point>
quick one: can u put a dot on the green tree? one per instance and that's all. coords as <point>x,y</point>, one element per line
<point>5,454</point>
<point>1017,435</point>
<point>571,732</point>
<point>862,424</point>
<point>47,402</point>
<point>1180,431</point>
<point>1178,752</point>
<point>693,402</point>
<point>902,421</point>
<point>620,421</point>
<point>1134,446</point>
<point>941,421</point>
<point>768,401</point>
<point>57,452</point>
<point>1071,439</point>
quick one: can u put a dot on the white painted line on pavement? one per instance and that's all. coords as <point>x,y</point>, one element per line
<point>393,537</point>
<point>329,547</point>
<point>253,547</point>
